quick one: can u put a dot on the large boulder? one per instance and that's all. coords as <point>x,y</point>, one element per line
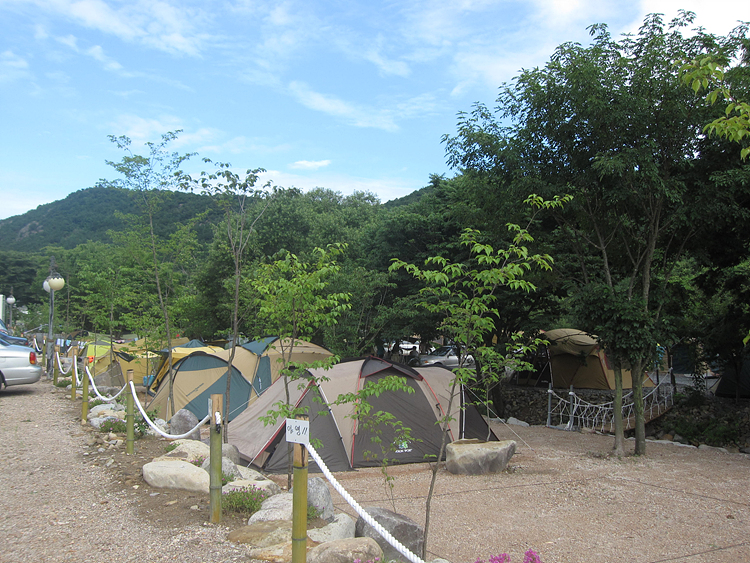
<point>187,450</point>
<point>319,496</point>
<point>230,451</point>
<point>346,551</point>
<point>340,528</point>
<point>266,485</point>
<point>176,475</point>
<point>404,529</point>
<point>183,421</point>
<point>474,457</point>
<point>277,507</point>
<point>263,534</point>
<point>228,468</point>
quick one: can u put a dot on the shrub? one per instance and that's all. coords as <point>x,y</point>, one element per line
<point>113,425</point>
<point>62,383</point>
<point>170,447</point>
<point>244,501</point>
<point>95,403</point>
<point>313,512</point>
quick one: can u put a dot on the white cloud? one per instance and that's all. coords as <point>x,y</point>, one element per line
<point>309,164</point>
<point>171,27</point>
<point>356,115</point>
<point>142,130</point>
<point>13,67</point>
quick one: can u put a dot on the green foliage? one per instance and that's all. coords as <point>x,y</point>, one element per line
<point>713,432</point>
<point>170,447</point>
<point>244,501</point>
<point>114,425</point>
<point>313,512</point>
<point>63,383</point>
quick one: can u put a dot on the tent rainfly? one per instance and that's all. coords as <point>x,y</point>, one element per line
<point>346,443</point>
<point>203,372</point>
<point>575,358</point>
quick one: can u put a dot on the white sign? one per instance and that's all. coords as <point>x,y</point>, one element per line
<point>297,431</point>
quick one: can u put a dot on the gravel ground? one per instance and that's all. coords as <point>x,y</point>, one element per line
<point>562,496</point>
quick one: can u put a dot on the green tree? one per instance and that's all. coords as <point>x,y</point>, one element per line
<point>147,177</point>
<point>235,196</point>
<point>611,124</point>
<point>294,303</point>
<point>465,294</point>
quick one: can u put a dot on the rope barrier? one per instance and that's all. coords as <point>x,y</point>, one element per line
<point>401,548</point>
<point>156,428</point>
<point>59,365</point>
<point>600,416</point>
<point>99,395</point>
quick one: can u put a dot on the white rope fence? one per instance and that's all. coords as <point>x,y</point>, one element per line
<point>576,412</point>
<point>401,548</point>
<point>156,428</point>
<point>96,391</point>
<point>60,366</point>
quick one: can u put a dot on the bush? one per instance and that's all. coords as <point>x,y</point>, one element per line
<point>113,425</point>
<point>244,501</point>
<point>170,447</point>
<point>62,383</point>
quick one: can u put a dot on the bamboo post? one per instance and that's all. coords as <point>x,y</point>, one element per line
<point>299,503</point>
<point>73,383</point>
<point>85,390</point>
<point>129,417</point>
<point>215,463</point>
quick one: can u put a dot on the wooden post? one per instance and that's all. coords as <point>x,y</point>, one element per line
<point>215,463</point>
<point>129,418</point>
<point>85,389</point>
<point>299,503</point>
<point>73,384</point>
<point>549,405</point>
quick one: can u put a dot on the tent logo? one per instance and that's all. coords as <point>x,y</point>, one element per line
<point>402,447</point>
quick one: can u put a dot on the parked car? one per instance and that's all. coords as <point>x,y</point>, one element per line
<point>19,340</point>
<point>445,356</point>
<point>18,365</point>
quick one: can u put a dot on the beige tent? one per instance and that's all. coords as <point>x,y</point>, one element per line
<point>575,358</point>
<point>255,367</point>
<point>346,443</point>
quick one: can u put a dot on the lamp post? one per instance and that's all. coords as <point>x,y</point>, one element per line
<point>54,282</point>
<point>11,301</point>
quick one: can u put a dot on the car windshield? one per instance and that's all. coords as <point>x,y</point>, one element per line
<point>443,351</point>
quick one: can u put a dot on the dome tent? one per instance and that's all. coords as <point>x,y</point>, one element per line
<point>346,444</point>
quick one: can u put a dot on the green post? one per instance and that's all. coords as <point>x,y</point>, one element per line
<point>215,463</point>
<point>129,418</point>
<point>299,503</point>
<point>85,387</point>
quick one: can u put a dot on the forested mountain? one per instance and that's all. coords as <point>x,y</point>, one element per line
<point>87,215</point>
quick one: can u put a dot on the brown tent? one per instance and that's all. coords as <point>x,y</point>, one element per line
<point>575,358</point>
<point>347,444</point>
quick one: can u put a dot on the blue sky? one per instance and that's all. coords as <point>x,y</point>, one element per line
<point>345,95</point>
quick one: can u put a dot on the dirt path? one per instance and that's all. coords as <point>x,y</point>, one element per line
<point>63,501</point>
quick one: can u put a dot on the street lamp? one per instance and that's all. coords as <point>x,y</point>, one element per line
<point>54,282</point>
<point>11,301</point>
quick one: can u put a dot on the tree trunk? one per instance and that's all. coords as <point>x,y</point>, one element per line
<point>640,419</point>
<point>619,446</point>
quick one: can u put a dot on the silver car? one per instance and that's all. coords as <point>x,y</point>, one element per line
<point>18,365</point>
<point>445,356</point>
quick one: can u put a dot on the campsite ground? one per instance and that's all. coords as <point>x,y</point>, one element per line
<point>563,496</point>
